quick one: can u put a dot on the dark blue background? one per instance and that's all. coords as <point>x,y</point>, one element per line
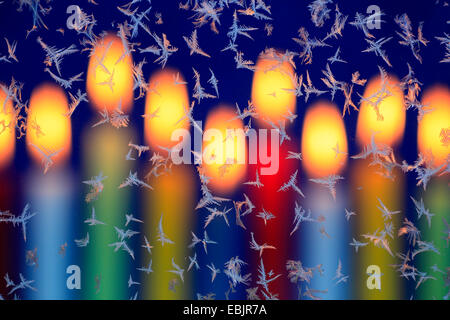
<point>234,85</point>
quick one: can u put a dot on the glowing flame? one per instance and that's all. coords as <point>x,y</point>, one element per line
<point>430,131</point>
<point>324,141</point>
<point>270,81</point>
<point>47,126</point>
<point>166,103</point>
<point>110,78</point>
<point>7,130</point>
<point>391,109</point>
<point>221,158</point>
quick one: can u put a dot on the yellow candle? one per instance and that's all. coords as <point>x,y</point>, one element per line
<point>385,124</point>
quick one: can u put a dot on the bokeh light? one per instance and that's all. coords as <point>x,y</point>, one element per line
<point>324,140</point>
<point>165,105</point>
<point>431,126</point>
<point>271,82</point>
<point>7,130</point>
<point>224,177</point>
<point>390,129</point>
<point>48,128</point>
<point>108,54</point>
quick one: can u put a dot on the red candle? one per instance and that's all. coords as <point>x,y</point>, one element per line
<point>8,184</point>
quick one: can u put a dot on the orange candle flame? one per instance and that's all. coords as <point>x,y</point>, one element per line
<point>272,89</point>
<point>48,129</point>
<point>434,128</point>
<point>7,130</point>
<point>224,160</point>
<point>110,75</point>
<point>324,140</point>
<point>385,119</point>
<point>166,103</point>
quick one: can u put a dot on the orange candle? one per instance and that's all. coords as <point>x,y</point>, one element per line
<point>166,103</point>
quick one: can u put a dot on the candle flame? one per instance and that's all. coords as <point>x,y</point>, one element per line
<point>434,128</point>
<point>388,122</point>
<point>110,75</point>
<point>7,130</point>
<point>221,157</point>
<point>272,81</point>
<point>324,140</point>
<point>166,103</point>
<point>47,126</point>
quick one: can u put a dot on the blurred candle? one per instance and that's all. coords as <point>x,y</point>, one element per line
<point>224,161</point>
<point>173,199</point>
<point>431,141</point>
<point>277,231</point>
<point>8,185</point>
<point>104,152</point>
<point>106,272</point>
<point>274,99</point>
<point>51,195</point>
<point>325,243</point>
<point>173,193</point>
<point>368,185</point>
